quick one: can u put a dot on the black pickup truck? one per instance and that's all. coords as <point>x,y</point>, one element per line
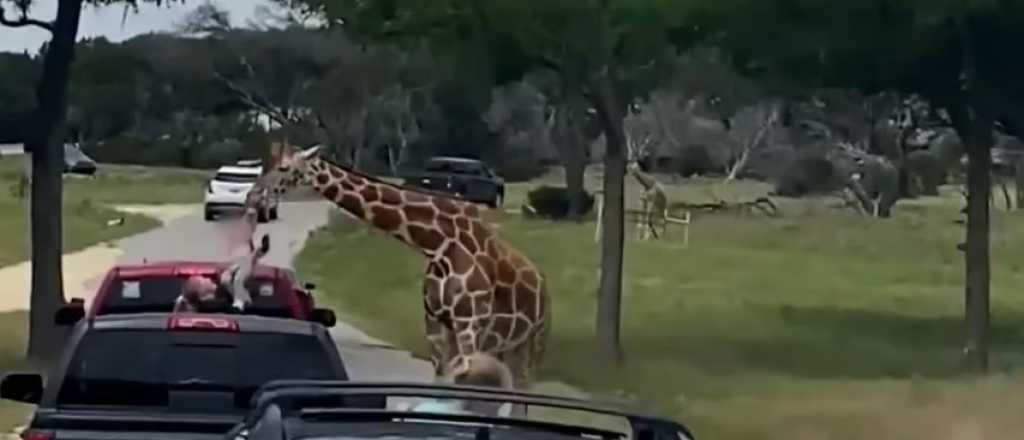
<point>164,376</point>
<point>468,179</point>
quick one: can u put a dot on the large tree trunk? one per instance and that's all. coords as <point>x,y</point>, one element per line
<point>46,145</point>
<point>571,146</point>
<point>571,150</point>
<point>609,304</point>
<point>976,258</point>
<point>974,121</point>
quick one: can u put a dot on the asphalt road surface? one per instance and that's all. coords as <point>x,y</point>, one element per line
<point>192,238</point>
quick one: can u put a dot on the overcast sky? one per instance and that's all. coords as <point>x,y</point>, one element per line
<point>106,21</point>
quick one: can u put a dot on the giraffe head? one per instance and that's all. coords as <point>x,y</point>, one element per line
<point>290,167</point>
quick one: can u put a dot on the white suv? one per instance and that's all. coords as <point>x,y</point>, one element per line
<point>229,188</point>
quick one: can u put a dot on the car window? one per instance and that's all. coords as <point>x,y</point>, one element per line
<point>169,365</point>
<point>236,177</point>
<point>157,294</point>
<point>455,167</point>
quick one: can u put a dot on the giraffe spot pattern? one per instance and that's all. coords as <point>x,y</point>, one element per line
<point>370,194</point>
<point>415,197</point>
<point>385,218</point>
<point>352,204</point>
<point>425,238</point>
<point>462,261</point>
<point>446,206</point>
<point>446,225</point>
<point>331,192</point>
<point>390,196</point>
<point>419,214</point>
<point>468,241</point>
<point>506,273</point>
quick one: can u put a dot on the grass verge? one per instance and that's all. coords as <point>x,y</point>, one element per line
<point>815,325</point>
<point>85,204</point>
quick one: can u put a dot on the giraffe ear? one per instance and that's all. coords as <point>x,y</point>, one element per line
<point>310,152</point>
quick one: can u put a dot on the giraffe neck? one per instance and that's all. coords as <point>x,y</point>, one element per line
<point>424,221</point>
<point>646,181</point>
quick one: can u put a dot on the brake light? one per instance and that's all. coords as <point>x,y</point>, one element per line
<point>202,323</point>
<point>37,435</point>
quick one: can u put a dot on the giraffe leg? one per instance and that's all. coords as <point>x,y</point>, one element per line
<point>437,342</point>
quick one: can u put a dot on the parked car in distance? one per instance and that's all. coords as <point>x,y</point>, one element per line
<point>468,179</point>
<point>153,288</point>
<point>229,188</point>
<point>334,410</point>
<point>168,376</point>
<point>77,162</point>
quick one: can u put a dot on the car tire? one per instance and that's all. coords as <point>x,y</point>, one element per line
<point>273,213</point>
<point>262,216</point>
<point>209,215</point>
<point>497,201</point>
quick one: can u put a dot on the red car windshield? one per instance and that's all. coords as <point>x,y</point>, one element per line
<point>158,293</point>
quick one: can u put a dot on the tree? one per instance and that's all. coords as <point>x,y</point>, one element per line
<point>45,143</point>
<point>610,51</point>
<point>17,74</point>
<point>105,90</point>
<point>951,52</point>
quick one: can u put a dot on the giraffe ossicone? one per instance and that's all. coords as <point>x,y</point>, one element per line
<point>480,294</point>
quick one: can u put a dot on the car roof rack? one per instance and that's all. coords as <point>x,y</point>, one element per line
<point>305,398</point>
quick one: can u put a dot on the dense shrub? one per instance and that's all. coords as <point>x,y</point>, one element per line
<point>519,168</point>
<point>694,160</point>
<point>806,175</point>
<point>926,172</point>
<point>552,202</point>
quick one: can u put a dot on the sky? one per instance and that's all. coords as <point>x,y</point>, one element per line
<point>106,21</point>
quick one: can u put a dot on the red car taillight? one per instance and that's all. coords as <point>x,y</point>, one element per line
<point>202,323</point>
<point>37,435</point>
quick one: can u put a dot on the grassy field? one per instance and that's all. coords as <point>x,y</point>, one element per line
<point>818,324</point>
<point>86,204</point>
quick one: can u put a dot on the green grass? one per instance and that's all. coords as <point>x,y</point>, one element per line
<point>86,204</point>
<point>815,325</point>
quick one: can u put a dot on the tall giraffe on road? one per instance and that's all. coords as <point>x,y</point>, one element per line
<point>479,293</point>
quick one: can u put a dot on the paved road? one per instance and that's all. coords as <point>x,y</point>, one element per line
<point>191,238</point>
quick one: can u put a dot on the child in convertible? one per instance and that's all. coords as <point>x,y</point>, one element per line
<point>481,369</point>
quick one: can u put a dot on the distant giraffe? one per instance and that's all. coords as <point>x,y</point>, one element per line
<point>653,201</point>
<point>479,293</point>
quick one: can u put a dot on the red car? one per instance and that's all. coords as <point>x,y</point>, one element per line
<point>153,288</point>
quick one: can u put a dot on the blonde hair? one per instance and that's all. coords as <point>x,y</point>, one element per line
<point>481,369</point>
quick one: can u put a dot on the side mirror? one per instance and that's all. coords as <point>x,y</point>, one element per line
<point>70,313</point>
<point>308,286</point>
<point>325,317</point>
<point>25,388</point>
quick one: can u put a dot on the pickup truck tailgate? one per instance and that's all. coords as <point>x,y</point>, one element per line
<point>135,435</point>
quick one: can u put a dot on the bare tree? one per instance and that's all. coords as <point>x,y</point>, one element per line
<point>765,117</point>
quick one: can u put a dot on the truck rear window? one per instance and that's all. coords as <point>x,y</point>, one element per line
<point>157,294</point>
<point>236,177</point>
<point>187,371</point>
<point>454,167</point>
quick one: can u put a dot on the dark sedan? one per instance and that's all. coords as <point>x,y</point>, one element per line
<point>465,178</point>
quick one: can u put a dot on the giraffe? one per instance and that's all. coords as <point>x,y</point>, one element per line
<point>479,293</point>
<point>653,201</point>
